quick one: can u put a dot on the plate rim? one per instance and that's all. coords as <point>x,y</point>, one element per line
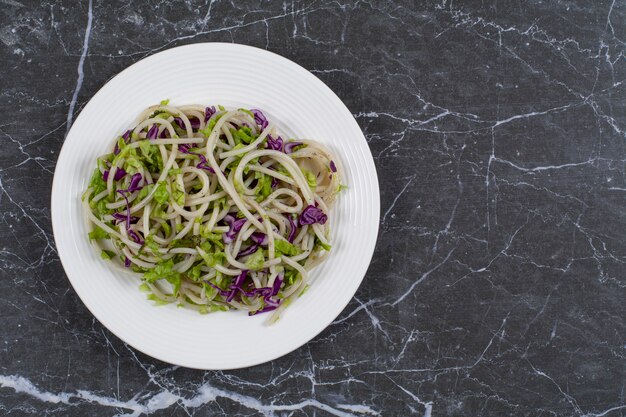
<point>283,61</point>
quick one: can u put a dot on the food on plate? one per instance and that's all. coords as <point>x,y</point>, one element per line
<point>213,208</point>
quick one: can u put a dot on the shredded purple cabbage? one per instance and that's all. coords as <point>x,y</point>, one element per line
<point>153,132</point>
<point>249,250</point>
<point>293,228</point>
<point>277,283</point>
<point>290,145</point>
<point>259,118</point>
<point>237,285</point>
<point>123,194</point>
<point>126,262</point>
<point>274,144</point>
<point>312,215</point>
<point>126,137</point>
<point>234,225</point>
<point>119,217</point>
<point>208,112</point>
<point>119,174</point>
<point>333,167</point>
<point>184,148</point>
<point>195,123</point>
<point>204,164</point>
<point>134,183</point>
<point>259,238</point>
<point>266,292</point>
<point>133,235</point>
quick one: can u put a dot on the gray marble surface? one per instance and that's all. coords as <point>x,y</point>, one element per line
<point>498,283</point>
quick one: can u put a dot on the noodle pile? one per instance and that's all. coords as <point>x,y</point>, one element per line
<point>213,208</point>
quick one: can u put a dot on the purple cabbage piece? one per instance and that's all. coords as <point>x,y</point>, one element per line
<point>134,183</point>
<point>238,224</point>
<point>229,219</point>
<point>259,238</point>
<point>249,250</point>
<point>277,283</point>
<point>234,225</point>
<point>312,215</point>
<point>266,292</point>
<point>263,292</point>
<point>153,132</point>
<point>208,112</point>
<point>293,228</point>
<point>274,144</point>
<point>195,123</point>
<point>119,174</point>
<point>126,262</point>
<point>270,303</point>
<point>126,137</point>
<point>119,217</point>
<point>237,284</point>
<point>134,236</point>
<point>333,167</point>
<point>290,145</point>
<point>164,134</point>
<point>123,194</point>
<point>204,164</point>
<point>259,118</point>
<point>263,310</point>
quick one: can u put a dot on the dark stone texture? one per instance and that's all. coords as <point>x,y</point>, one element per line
<point>497,287</point>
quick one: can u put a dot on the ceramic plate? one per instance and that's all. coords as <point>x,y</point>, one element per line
<point>302,107</point>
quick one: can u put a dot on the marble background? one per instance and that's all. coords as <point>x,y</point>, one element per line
<point>498,283</point>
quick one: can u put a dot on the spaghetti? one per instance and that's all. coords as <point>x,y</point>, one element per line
<point>213,208</point>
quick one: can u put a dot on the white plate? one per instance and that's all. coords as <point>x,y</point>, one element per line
<point>302,107</point>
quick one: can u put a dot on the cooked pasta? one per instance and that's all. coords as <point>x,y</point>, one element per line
<point>213,208</point>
